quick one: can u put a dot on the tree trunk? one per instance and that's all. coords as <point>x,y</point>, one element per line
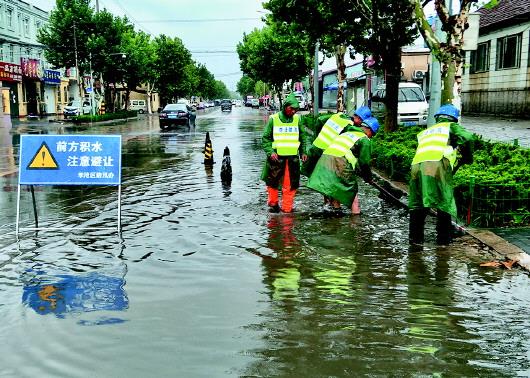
<point>340,51</point>
<point>393,76</point>
<point>448,82</point>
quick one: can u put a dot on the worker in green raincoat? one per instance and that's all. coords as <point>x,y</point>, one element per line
<point>335,174</point>
<point>328,127</point>
<point>284,142</point>
<point>431,181</point>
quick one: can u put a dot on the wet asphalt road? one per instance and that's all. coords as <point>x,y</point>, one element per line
<point>205,283</point>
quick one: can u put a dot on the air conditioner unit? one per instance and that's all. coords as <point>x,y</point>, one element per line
<point>418,74</point>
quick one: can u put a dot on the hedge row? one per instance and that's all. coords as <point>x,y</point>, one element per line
<point>105,117</point>
<point>494,191</point>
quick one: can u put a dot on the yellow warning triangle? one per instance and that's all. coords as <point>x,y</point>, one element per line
<point>43,159</point>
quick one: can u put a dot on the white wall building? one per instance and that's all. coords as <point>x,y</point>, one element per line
<point>29,84</point>
<point>496,79</point>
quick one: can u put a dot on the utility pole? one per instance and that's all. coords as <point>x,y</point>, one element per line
<point>435,77</point>
<point>77,67</point>
<point>315,82</point>
<point>97,6</point>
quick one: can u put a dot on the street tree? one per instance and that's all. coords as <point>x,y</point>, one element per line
<point>274,55</point>
<point>173,60</point>
<point>372,27</point>
<point>334,24</point>
<point>391,27</point>
<point>221,91</point>
<point>245,86</point>
<point>207,86</point>
<point>66,34</point>
<point>447,50</point>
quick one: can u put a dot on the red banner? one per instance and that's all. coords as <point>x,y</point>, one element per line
<point>10,72</point>
<point>30,68</point>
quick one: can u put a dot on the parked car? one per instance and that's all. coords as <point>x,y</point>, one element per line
<point>413,107</point>
<point>201,105</point>
<point>226,105</point>
<point>254,103</point>
<point>74,108</point>
<point>139,105</point>
<point>239,103</point>
<point>301,101</point>
<point>173,115</point>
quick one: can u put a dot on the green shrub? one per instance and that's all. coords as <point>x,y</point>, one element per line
<point>105,117</point>
<point>500,194</point>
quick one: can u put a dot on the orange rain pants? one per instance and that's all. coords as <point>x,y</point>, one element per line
<point>287,193</point>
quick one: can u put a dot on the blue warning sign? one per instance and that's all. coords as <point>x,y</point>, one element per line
<point>70,160</point>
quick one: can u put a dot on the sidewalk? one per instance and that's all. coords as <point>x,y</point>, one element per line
<point>500,129</point>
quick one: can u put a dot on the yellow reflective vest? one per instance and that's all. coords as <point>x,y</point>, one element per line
<point>331,129</point>
<point>341,146</point>
<point>285,135</point>
<point>433,144</point>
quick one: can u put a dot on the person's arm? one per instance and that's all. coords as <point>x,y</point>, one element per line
<point>303,138</point>
<point>463,140</point>
<point>362,150</point>
<point>267,138</point>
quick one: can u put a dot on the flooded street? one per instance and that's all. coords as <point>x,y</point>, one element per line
<point>206,283</point>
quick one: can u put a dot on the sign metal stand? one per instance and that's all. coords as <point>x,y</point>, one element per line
<point>73,160</point>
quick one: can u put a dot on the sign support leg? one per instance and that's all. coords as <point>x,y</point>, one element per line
<point>119,210</point>
<point>34,206</point>
<point>18,210</point>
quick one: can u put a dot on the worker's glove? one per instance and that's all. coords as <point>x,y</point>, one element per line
<point>274,157</point>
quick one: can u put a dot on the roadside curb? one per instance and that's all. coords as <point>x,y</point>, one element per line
<point>492,240</point>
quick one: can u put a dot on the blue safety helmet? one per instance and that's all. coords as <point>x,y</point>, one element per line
<point>363,112</point>
<point>372,123</point>
<point>448,110</point>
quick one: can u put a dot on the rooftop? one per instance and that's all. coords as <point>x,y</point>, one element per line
<point>506,12</point>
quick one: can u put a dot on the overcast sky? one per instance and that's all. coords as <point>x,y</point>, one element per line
<point>212,43</point>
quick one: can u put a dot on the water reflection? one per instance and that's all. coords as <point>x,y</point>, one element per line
<point>63,294</point>
<point>282,271</point>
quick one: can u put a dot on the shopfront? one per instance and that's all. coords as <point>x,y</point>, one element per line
<point>11,78</point>
<point>51,81</point>
<point>31,86</point>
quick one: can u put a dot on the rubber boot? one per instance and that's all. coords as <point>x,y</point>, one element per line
<point>417,226</point>
<point>443,228</point>
<point>356,206</point>
<point>272,200</point>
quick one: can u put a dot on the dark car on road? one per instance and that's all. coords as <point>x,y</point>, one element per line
<point>226,105</point>
<point>173,115</point>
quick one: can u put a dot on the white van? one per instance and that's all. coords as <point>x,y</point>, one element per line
<point>139,105</point>
<point>413,108</point>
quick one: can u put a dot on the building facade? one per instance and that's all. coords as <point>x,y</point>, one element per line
<point>496,79</point>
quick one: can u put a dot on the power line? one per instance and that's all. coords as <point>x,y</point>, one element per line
<point>131,17</point>
<point>182,20</point>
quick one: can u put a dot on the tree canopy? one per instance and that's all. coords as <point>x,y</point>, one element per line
<point>109,48</point>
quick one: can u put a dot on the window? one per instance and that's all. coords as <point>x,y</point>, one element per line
<point>25,26</point>
<point>1,53</point>
<point>9,17</point>
<point>509,51</point>
<point>59,93</point>
<point>12,53</point>
<point>480,58</point>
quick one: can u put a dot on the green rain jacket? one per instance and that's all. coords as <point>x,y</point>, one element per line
<point>314,153</point>
<point>431,182</point>
<point>335,177</point>
<point>272,172</point>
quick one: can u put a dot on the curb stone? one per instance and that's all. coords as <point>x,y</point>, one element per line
<point>492,240</point>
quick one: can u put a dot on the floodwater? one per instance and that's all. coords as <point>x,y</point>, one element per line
<point>205,283</point>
